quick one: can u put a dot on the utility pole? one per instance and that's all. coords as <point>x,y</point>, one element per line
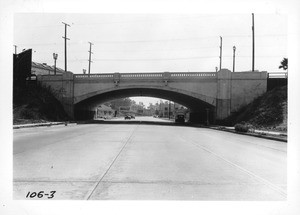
<point>15,49</point>
<point>253,42</point>
<point>234,48</point>
<point>169,110</point>
<point>90,51</point>
<point>220,54</point>
<point>65,37</point>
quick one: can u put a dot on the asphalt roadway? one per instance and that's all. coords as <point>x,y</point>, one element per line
<point>146,162</point>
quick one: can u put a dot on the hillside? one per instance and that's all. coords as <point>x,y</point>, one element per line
<point>268,111</point>
<point>34,104</point>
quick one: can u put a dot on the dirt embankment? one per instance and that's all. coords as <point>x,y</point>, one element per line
<point>268,111</point>
<point>35,104</point>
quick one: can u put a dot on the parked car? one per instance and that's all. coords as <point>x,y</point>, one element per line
<point>127,117</point>
<point>132,117</point>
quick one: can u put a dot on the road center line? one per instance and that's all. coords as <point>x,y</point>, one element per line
<point>258,178</point>
<point>127,141</point>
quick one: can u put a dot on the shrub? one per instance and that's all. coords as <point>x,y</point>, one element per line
<point>241,127</point>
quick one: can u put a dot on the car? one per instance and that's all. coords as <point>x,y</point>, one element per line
<point>127,117</point>
<point>132,117</point>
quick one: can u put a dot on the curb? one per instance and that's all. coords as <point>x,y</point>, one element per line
<point>41,124</point>
<point>257,134</point>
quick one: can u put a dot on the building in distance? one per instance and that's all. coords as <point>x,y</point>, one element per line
<point>44,69</point>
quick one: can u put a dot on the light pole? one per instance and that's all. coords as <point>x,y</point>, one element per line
<point>234,48</point>
<point>55,58</point>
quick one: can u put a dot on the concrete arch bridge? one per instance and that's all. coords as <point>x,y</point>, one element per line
<point>220,93</point>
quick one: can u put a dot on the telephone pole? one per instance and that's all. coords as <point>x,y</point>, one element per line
<point>220,53</point>
<point>15,49</point>
<point>233,67</point>
<point>169,108</point>
<point>65,37</point>
<point>253,42</point>
<point>90,51</point>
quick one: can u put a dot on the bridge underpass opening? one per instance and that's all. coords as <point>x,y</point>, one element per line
<point>200,111</point>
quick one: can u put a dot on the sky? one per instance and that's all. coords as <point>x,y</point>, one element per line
<point>153,42</point>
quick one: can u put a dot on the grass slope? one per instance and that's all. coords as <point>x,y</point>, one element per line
<point>268,111</point>
<point>33,104</point>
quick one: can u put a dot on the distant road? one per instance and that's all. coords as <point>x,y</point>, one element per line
<point>144,119</point>
<point>153,162</point>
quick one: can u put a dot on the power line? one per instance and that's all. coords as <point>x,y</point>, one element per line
<point>164,40</point>
<point>170,59</point>
<point>154,59</point>
<point>150,41</point>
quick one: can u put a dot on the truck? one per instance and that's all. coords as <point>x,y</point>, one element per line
<point>180,116</point>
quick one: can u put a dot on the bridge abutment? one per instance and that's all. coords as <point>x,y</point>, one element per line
<point>62,86</point>
<point>223,97</point>
<point>237,89</point>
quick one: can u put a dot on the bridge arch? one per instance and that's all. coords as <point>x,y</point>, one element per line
<point>85,105</point>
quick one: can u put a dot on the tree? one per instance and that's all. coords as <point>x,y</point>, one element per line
<point>284,64</point>
<point>116,104</point>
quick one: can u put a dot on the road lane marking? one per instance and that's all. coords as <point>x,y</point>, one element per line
<point>258,178</point>
<point>99,181</point>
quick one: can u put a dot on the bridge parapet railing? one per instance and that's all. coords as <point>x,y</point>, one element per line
<point>141,75</point>
<point>168,75</point>
<point>277,75</point>
<point>88,76</point>
<point>193,75</point>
